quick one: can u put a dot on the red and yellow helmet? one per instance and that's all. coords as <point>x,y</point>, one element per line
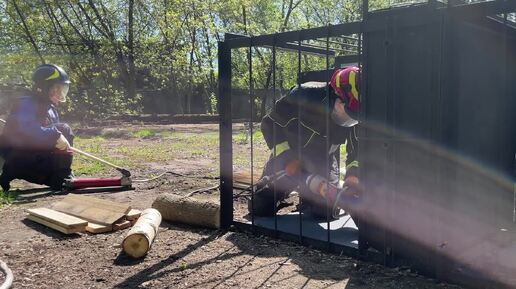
<point>346,84</point>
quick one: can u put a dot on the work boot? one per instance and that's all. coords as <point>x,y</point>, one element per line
<point>57,179</point>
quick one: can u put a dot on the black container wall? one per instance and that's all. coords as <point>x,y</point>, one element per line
<point>437,141</point>
<point>437,146</point>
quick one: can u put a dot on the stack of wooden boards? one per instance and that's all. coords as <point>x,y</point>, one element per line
<point>77,213</point>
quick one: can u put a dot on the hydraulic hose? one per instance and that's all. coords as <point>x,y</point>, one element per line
<point>8,276</point>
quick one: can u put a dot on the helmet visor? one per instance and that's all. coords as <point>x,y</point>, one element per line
<point>64,92</point>
<point>341,116</point>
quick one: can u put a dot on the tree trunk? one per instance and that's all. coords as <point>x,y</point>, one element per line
<point>131,83</point>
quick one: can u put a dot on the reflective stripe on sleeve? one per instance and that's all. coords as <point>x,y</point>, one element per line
<point>280,148</point>
<point>353,164</point>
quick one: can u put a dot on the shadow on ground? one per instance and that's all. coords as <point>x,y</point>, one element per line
<point>49,232</point>
<point>151,273</point>
<point>314,265</point>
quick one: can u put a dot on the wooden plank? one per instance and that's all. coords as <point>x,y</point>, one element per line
<point>58,218</point>
<point>97,228</point>
<point>121,225</point>
<point>55,226</point>
<point>133,215</point>
<point>99,203</point>
<point>93,210</point>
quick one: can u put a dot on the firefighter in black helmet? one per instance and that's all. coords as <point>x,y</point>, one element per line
<point>35,143</point>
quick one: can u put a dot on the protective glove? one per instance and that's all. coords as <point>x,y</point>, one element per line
<point>293,167</point>
<point>346,196</point>
<point>354,188</point>
<point>320,186</point>
<point>288,161</point>
<point>62,143</point>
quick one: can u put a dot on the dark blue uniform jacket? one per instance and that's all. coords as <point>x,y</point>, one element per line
<point>31,125</point>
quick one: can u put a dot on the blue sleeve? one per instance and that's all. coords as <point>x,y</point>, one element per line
<point>25,124</point>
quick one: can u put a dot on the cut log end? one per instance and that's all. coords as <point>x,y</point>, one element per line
<point>139,239</point>
<point>136,245</point>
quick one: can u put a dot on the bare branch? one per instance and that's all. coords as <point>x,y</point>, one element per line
<point>27,32</point>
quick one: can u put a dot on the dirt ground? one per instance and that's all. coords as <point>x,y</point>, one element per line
<point>182,256</point>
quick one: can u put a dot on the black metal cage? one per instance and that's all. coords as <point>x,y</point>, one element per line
<point>437,136</point>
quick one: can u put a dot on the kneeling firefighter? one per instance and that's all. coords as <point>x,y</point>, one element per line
<point>305,146</point>
<point>34,143</point>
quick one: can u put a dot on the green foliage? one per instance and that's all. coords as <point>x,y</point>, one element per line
<point>144,133</point>
<point>87,167</point>
<point>116,51</point>
<point>6,197</point>
<point>244,137</point>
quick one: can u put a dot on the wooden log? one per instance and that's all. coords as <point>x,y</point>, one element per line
<point>139,239</point>
<point>195,210</point>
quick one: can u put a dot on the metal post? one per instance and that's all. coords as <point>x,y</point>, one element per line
<point>274,130</point>
<point>442,167</point>
<point>365,9</point>
<point>225,134</point>
<point>251,111</point>
<point>299,156</point>
<point>363,245</point>
<point>505,93</point>
<point>391,149</point>
<point>329,207</point>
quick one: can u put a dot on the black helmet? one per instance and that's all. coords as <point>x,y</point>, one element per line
<point>47,74</point>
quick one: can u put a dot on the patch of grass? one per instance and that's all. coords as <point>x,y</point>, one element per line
<point>183,266</point>
<point>91,145</point>
<point>242,160</point>
<point>145,152</point>
<point>144,133</point>
<point>80,166</point>
<point>163,146</point>
<point>138,154</point>
<point>98,147</point>
<point>6,197</point>
<point>242,137</point>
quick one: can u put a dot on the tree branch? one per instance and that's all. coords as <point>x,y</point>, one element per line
<point>27,32</point>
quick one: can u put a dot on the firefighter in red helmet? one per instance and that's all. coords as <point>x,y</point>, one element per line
<point>305,146</point>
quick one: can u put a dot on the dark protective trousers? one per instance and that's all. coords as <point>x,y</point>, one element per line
<point>44,167</point>
<point>271,192</point>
